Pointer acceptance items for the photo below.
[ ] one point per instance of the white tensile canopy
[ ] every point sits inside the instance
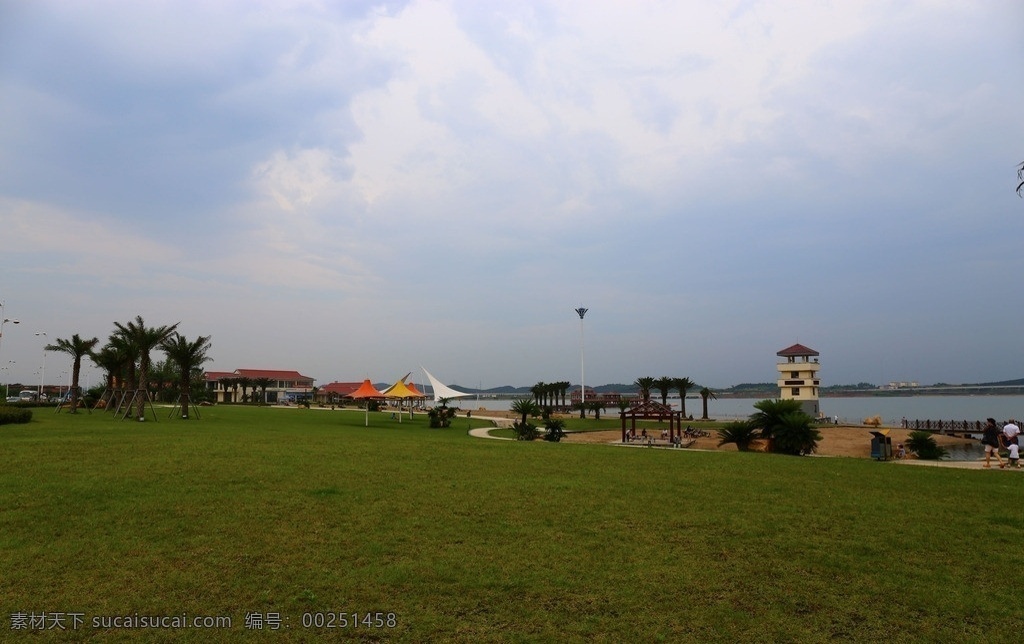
(441, 390)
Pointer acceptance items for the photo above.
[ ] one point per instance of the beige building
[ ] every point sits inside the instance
(798, 377)
(226, 386)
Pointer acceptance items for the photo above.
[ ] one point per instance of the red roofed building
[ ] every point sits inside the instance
(798, 377)
(333, 392)
(226, 386)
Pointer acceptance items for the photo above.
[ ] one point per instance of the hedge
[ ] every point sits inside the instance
(10, 415)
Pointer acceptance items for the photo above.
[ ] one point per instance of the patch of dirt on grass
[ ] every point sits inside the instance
(852, 441)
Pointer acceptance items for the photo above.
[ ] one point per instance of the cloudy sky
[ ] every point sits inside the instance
(354, 189)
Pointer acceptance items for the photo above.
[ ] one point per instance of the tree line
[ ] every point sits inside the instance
(126, 361)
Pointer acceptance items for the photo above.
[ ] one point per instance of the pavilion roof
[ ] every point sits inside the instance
(797, 350)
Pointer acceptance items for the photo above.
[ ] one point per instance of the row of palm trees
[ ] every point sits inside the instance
(665, 384)
(546, 394)
(126, 361)
(257, 384)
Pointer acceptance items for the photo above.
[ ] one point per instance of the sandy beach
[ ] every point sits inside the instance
(853, 441)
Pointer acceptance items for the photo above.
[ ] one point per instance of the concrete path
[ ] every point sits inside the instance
(485, 432)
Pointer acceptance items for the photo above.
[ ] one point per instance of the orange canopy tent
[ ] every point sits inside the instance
(367, 391)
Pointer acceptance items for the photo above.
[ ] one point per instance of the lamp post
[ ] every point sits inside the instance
(42, 372)
(7, 379)
(583, 389)
(3, 321)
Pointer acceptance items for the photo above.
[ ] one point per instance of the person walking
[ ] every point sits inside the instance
(990, 439)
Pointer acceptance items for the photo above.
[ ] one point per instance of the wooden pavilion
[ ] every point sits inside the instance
(652, 410)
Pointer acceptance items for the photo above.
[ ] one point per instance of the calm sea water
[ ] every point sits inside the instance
(852, 410)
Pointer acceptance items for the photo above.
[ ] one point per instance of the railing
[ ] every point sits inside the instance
(944, 426)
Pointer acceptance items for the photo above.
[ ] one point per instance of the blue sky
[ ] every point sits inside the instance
(355, 189)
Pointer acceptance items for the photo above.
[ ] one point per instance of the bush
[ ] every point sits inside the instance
(795, 434)
(11, 415)
(770, 413)
(741, 432)
(525, 431)
(441, 417)
(555, 430)
(923, 444)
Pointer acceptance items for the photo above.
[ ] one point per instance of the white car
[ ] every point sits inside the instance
(13, 399)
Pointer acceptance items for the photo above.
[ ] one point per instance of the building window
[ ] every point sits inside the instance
(794, 374)
(796, 391)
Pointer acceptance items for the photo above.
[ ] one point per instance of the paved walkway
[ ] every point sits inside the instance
(485, 432)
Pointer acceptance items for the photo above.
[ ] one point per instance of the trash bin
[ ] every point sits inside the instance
(881, 445)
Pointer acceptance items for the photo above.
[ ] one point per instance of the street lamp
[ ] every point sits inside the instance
(7, 379)
(583, 389)
(42, 372)
(4, 321)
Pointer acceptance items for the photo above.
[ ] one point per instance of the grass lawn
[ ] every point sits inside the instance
(304, 513)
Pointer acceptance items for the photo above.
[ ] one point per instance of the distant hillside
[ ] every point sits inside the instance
(1019, 382)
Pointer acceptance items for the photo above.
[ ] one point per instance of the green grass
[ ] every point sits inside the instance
(294, 511)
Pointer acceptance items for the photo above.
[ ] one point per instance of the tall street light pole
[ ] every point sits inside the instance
(583, 389)
(3, 321)
(42, 372)
(7, 379)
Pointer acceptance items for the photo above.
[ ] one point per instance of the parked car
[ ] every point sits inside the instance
(13, 399)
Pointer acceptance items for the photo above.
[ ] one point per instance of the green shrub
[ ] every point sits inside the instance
(741, 433)
(923, 444)
(770, 413)
(795, 434)
(525, 431)
(555, 429)
(441, 416)
(11, 415)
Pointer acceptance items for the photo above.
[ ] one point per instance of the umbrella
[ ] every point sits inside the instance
(366, 390)
(400, 390)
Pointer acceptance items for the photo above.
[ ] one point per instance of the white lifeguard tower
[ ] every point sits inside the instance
(798, 377)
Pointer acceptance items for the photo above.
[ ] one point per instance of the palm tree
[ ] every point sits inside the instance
(76, 347)
(552, 391)
(143, 339)
(740, 432)
(664, 384)
(126, 371)
(537, 390)
(795, 434)
(232, 385)
(645, 384)
(263, 383)
(706, 393)
(525, 407)
(597, 407)
(769, 414)
(113, 360)
(563, 388)
(683, 385)
(188, 356)
(245, 383)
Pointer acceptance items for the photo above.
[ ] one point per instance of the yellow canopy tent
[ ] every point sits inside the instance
(401, 391)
